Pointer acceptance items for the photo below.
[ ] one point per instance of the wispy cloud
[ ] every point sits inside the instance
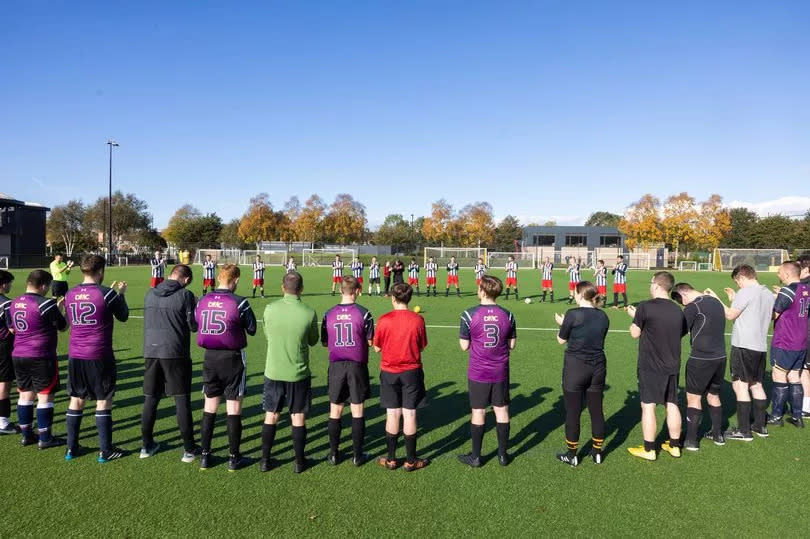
(783, 205)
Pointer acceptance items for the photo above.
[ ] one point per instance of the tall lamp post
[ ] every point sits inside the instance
(110, 143)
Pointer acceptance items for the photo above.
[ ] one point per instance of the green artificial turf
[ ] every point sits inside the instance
(740, 489)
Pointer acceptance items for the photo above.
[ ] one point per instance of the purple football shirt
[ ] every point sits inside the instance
(489, 328)
(790, 329)
(223, 319)
(346, 330)
(35, 320)
(90, 309)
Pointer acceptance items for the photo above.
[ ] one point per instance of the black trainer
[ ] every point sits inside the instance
(206, 460)
(691, 446)
(11, 428)
(737, 434)
(301, 465)
(333, 459)
(113, 453)
(236, 462)
(796, 422)
(53, 442)
(469, 460)
(776, 421)
(28, 438)
(265, 465)
(762, 431)
(716, 437)
(362, 458)
(568, 459)
(598, 457)
(504, 459)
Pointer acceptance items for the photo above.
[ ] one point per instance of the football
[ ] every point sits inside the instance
(417, 309)
(527, 301)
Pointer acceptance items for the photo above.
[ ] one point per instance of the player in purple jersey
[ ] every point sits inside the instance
(347, 330)
(789, 344)
(223, 320)
(90, 309)
(489, 332)
(6, 365)
(35, 321)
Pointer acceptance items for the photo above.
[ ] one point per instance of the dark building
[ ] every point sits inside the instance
(592, 237)
(22, 233)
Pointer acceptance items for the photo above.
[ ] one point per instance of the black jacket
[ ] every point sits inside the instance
(168, 321)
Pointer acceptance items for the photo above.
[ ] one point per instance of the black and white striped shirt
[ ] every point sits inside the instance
(548, 271)
(601, 276)
(573, 273)
(209, 268)
(374, 270)
(291, 267)
(413, 270)
(158, 267)
(452, 268)
(430, 269)
(258, 270)
(480, 269)
(511, 269)
(337, 268)
(620, 273)
(357, 269)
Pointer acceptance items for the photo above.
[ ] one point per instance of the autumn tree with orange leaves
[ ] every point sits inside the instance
(641, 223)
(476, 225)
(345, 221)
(679, 221)
(436, 229)
(308, 222)
(260, 222)
(713, 223)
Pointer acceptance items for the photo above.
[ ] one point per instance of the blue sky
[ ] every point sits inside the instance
(545, 109)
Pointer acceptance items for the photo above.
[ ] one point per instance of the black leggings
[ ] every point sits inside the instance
(573, 410)
(387, 283)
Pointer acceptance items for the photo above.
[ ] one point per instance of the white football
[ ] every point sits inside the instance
(527, 301)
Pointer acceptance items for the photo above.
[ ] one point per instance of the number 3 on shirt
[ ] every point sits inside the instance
(492, 335)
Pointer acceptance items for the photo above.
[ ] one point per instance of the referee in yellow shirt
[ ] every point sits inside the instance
(60, 271)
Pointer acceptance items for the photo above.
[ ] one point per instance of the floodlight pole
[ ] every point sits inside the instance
(110, 143)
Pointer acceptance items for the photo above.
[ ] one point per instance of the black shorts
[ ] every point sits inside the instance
(747, 365)
(705, 376)
(91, 379)
(224, 374)
(59, 288)
(483, 394)
(656, 388)
(348, 380)
(6, 364)
(169, 377)
(40, 375)
(296, 396)
(579, 375)
(374, 280)
(403, 389)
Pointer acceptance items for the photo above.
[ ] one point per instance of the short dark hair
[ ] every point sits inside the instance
(588, 291)
(293, 283)
(600, 261)
(620, 256)
(491, 286)
(679, 290)
(744, 270)
(181, 271)
(792, 267)
(39, 278)
(665, 280)
(349, 284)
(93, 264)
(804, 260)
(6, 277)
(402, 292)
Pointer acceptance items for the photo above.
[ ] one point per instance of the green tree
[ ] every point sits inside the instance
(397, 232)
(603, 218)
(67, 229)
(130, 217)
(743, 222)
(229, 236)
(774, 232)
(506, 233)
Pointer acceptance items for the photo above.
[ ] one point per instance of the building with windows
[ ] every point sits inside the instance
(22, 233)
(590, 237)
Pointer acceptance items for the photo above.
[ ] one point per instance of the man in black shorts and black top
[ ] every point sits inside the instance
(6, 365)
(706, 366)
(168, 322)
(659, 325)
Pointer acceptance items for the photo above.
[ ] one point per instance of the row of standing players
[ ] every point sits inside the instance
(395, 270)
(222, 321)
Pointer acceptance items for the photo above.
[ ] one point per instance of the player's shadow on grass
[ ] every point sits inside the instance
(443, 410)
(539, 428)
(621, 423)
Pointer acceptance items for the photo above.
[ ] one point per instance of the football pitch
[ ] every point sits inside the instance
(739, 489)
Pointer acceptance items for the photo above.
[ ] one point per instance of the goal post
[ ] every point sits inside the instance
(687, 265)
(324, 257)
(466, 257)
(220, 256)
(726, 259)
(704, 266)
(269, 257)
(4, 262)
(498, 259)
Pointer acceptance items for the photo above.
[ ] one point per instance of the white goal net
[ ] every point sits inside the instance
(269, 257)
(687, 265)
(324, 257)
(704, 266)
(498, 259)
(759, 259)
(220, 256)
(467, 257)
